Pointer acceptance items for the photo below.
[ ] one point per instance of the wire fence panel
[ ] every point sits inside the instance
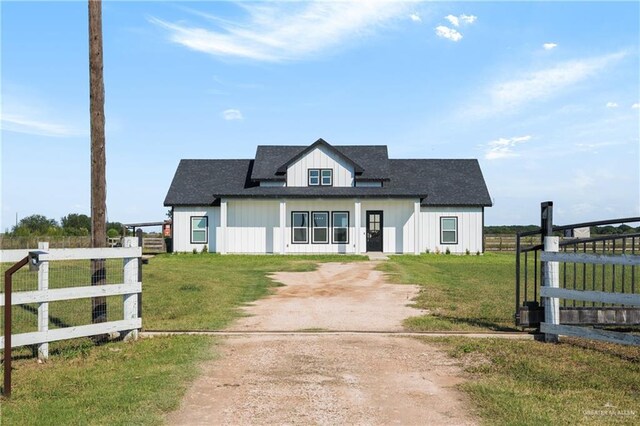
(70, 290)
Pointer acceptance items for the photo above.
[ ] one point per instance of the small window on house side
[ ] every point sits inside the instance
(327, 177)
(320, 227)
(448, 230)
(199, 228)
(300, 227)
(340, 222)
(314, 177)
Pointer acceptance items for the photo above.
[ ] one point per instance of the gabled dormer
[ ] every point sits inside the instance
(320, 165)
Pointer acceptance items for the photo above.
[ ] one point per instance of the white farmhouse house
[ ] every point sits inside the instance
(327, 199)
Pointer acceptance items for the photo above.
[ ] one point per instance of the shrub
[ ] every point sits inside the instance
(467, 252)
(205, 249)
(195, 250)
(478, 253)
(448, 251)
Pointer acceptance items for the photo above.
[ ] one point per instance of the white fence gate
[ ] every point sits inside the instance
(551, 293)
(128, 286)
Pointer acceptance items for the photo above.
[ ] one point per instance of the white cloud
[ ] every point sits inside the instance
(232, 114)
(549, 46)
(32, 126)
(415, 17)
(541, 84)
(636, 105)
(448, 33)
(453, 20)
(286, 31)
(464, 19)
(612, 105)
(503, 147)
(468, 19)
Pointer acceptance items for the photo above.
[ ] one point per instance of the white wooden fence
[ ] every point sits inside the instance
(551, 293)
(129, 289)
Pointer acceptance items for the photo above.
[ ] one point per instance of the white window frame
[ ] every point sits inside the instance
(293, 228)
(314, 227)
(330, 177)
(334, 227)
(206, 229)
(455, 230)
(318, 177)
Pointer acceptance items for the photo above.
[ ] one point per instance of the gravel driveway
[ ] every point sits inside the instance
(336, 296)
(327, 379)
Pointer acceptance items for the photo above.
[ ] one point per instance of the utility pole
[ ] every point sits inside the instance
(98, 178)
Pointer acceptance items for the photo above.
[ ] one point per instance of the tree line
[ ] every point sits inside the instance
(73, 224)
(595, 230)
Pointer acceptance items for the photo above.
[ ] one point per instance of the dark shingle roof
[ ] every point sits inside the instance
(372, 160)
(437, 182)
(197, 182)
(445, 182)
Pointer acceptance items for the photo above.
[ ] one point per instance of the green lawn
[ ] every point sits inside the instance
(204, 291)
(533, 383)
(460, 292)
(116, 384)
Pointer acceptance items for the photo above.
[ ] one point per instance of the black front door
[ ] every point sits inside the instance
(374, 230)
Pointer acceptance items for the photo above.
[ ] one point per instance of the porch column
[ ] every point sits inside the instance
(283, 226)
(356, 224)
(416, 227)
(223, 227)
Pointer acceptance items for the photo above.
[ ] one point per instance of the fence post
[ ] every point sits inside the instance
(130, 301)
(43, 308)
(139, 236)
(551, 278)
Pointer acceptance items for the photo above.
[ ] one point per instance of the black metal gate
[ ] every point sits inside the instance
(529, 311)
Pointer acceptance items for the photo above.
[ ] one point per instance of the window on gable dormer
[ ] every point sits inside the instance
(320, 177)
(314, 177)
(326, 177)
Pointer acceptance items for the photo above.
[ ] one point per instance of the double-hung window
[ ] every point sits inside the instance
(448, 230)
(320, 177)
(340, 221)
(320, 227)
(326, 177)
(300, 227)
(199, 229)
(314, 177)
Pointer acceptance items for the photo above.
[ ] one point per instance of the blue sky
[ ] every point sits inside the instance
(544, 94)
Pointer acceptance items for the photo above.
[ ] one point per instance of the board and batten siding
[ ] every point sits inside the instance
(253, 226)
(469, 229)
(320, 158)
(182, 227)
(397, 223)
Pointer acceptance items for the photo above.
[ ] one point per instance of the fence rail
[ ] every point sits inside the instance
(551, 294)
(67, 275)
(563, 286)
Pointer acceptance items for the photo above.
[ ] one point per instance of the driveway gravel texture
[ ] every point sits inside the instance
(327, 379)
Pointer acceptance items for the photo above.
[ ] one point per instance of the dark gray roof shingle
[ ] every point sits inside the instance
(197, 182)
(437, 182)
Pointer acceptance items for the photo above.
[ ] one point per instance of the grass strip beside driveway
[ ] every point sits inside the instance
(533, 383)
(461, 293)
(119, 383)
